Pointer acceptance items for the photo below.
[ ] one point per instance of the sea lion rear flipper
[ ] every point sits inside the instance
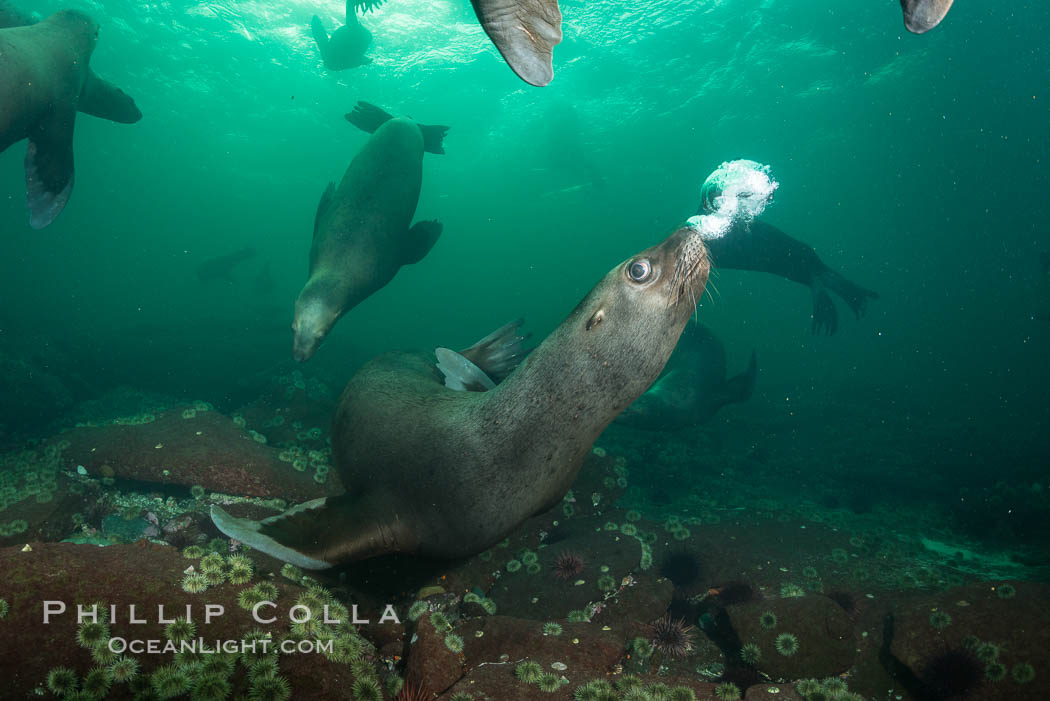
(500, 352)
(433, 137)
(920, 16)
(49, 167)
(421, 238)
(367, 117)
(322, 206)
(525, 32)
(461, 374)
(740, 387)
(292, 539)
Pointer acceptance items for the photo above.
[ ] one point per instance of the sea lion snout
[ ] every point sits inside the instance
(313, 320)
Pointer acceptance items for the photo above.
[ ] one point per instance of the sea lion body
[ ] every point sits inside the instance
(363, 231)
(347, 45)
(692, 387)
(42, 72)
(445, 473)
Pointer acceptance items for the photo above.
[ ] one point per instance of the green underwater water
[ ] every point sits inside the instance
(915, 165)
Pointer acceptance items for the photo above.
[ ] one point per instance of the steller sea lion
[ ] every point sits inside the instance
(693, 386)
(363, 231)
(524, 31)
(346, 47)
(445, 473)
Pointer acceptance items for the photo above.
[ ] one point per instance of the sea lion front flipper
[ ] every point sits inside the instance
(322, 206)
(825, 315)
(920, 16)
(365, 5)
(460, 374)
(367, 117)
(101, 98)
(320, 37)
(500, 352)
(421, 238)
(49, 167)
(525, 32)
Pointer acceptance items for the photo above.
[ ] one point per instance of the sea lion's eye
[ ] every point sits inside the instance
(639, 270)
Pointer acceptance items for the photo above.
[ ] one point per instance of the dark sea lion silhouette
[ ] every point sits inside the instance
(920, 16)
(363, 231)
(99, 97)
(43, 68)
(524, 31)
(444, 473)
(346, 47)
(764, 248)
(221, 267)
(693, 386)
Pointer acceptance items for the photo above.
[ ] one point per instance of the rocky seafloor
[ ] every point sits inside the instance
(644, 583)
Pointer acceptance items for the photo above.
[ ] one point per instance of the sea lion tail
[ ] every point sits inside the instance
(920, 16)
(500, 352)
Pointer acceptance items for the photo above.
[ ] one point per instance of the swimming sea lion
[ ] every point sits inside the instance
(920, 16)
(99, 98)
(524, 31)
(363, 230)
(445, 473)
(346, 47)
(765, 248)
(692, 387)
(221, 267)
(42, 72)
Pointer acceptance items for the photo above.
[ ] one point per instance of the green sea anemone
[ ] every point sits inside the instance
(194, 583)
(682, 693)
(489, 606)
(267, 590)
(270, 689)
(1023, 673)
(513, 565)
(658, 692)
(549, 683)
(528, 672)
(633, 516)
(533, 568)
(248, 598)
(438, 620)
(1005, 591)
(808, 687)
(940, 620)
(768, 620)
(416, 610)
(197, 491)
(586, 693)
(454, 643)
(471, 598)
(180, 629)
(787, 644)
(212, 562)
(62, 681)
(636, 694)
(987, 652)
(552, 629)
(461, 696)
(840, 556)
(681, 534)
(577, 616)
(528, 557)
(628, 682)
(790, 590)
(222, 664)
(170, 681)
(210, 687)
(264, 667)
(834, 685)
(367, 689)
(628, 529)
(643, 647)
(750, 653)
(91, 635)
(192, 552)
(124, 668)
(103, 655)
(995, 671)
(239, 575)
(727, 692)
(606, 583)
(214, 577)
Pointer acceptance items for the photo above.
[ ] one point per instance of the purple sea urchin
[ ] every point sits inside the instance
(671, 636)
(568, 565)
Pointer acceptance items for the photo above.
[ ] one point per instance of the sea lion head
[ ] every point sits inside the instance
(79, 25)
(632, 319)
(315, 315)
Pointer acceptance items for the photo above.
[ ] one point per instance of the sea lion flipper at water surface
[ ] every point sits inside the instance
(446, 474)
(367, 117)
(920, 16)
(525, 32)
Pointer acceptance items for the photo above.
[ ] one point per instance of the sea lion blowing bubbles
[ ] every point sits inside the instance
(444, 473)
